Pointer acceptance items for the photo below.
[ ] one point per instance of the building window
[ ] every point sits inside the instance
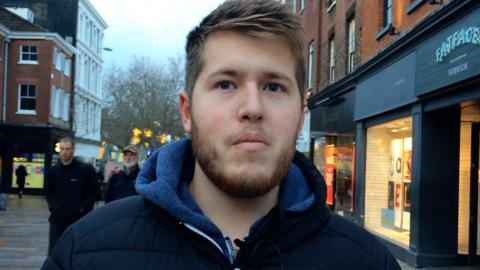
(302, 5)
(351, 45)
(68, 66)
(294, 6)
(331, 4)
(331, 61)
(311, 55)
(388, 175)
(26, 98)
(28, 54)
(387, 12)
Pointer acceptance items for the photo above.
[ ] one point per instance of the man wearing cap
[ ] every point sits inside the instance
(122, 184)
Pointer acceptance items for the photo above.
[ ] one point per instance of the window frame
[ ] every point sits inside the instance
(311, 62)
(387, 13)
(331, 59)
(29, 53)
(21, 97)
(351, 46)
(331, 4)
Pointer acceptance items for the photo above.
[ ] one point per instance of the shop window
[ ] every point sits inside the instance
(334, 156)
(387, 180)
(35, 166)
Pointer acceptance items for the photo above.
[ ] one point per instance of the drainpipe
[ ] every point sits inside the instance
(5, 79)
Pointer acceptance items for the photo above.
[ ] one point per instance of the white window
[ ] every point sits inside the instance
(27, 96)
(351, 45)
(28, 54)
(52, 101)
(59, 60)
(66, 106)
(387, 12)
(294, 6)
(331, 61)
(302, 4)
(68, 65)
(331, 4)
(311, 55)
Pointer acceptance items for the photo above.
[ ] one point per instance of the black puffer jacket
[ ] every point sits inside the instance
(135, 233)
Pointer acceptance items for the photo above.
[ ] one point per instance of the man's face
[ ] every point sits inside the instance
(66, 152)
(129, 158)
(245, 113)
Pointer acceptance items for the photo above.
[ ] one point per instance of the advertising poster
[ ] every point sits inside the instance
(35, 170)
(330, 173)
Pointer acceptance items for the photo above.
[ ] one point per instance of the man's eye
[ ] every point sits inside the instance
(274, 87)
(225, 85)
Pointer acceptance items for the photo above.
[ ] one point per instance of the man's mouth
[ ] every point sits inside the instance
(250, 138)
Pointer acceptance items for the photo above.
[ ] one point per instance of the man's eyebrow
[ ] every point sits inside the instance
(277, 75)
(226, 71)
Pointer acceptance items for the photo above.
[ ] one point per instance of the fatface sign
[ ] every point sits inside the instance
(450, 56)
(470, 35)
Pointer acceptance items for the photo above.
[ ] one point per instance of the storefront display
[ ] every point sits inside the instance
(334, 157)
(35, 166)
(388, 178)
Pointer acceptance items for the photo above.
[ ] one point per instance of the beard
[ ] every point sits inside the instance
(237, 183)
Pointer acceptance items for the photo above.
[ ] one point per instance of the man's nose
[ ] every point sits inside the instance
(251, 106)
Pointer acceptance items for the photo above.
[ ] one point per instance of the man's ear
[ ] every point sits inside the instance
(185, 111)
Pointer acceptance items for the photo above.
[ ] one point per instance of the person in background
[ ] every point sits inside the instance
(236, 194)
(70, 191)
(122, 183)
(21, 174)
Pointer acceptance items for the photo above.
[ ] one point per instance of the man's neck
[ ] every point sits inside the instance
(233, 216)
(66, 162)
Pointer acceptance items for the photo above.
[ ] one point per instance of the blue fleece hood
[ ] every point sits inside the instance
(166, 176)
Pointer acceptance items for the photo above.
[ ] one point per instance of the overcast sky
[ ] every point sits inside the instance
(152, 28)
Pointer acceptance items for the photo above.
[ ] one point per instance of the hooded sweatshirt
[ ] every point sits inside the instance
(166, 177)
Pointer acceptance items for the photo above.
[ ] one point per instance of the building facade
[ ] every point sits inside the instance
(78, 22)
(35, 99)
(395, 123)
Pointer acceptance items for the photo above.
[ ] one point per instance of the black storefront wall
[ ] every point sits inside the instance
(450, 56)
(333, 115)
(388, 89)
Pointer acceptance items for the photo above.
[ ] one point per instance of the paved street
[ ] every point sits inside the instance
(24, 235)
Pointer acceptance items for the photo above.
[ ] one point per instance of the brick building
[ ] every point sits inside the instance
(36, 76)
(395, 121)
(79, 23)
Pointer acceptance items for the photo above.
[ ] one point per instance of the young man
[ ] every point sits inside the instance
(70, 191)
(237, 195)
(122, 183)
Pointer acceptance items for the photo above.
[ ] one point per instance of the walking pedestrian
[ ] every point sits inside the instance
(70, 191)
(21, 174)
(236, 195)
(122, 183)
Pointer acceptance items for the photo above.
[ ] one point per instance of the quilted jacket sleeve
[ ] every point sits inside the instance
(61, 257)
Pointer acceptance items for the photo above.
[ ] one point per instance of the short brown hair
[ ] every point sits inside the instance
(257, 18)
(69, 140)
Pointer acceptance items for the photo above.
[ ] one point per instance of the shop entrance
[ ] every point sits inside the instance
(474, 239)
(469, 185)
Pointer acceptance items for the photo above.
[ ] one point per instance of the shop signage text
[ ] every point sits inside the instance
(470, 35)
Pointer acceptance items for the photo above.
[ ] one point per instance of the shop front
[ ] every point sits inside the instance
(416, 124)
(32, 147)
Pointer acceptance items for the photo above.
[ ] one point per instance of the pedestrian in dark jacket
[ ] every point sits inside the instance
(21, 174)
(70, 191)
(122, 183)
(236, 195)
